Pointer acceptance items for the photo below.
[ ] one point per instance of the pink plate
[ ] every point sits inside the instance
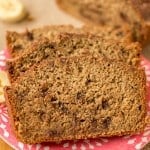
(115, 143)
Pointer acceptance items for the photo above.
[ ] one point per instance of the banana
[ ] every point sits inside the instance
(12, 10)
(3, 82)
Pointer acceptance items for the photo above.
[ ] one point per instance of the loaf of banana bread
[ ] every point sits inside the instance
(112, 12)
(77, 97)
(17, 43)
(73, 44)
(135, 13)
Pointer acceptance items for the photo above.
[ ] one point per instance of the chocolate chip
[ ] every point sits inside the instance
(58, 92)
(51, 46)
(80, 69)
(17, 47)
(140, 107)
(10, 69)
(122, 113)
(53, 99)
(106, 122)
(29, 36)
(70, 52)
(88, 81)
(108, 65)
(82, 120)
(91, 44)
(124, 17)
(105, 104)
(74, 46)
(64, 45)
(138, 54)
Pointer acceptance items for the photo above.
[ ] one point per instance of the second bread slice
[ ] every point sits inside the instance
(73, 44)
(17, 43)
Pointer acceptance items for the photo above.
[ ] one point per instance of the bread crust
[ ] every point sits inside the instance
(11, 112)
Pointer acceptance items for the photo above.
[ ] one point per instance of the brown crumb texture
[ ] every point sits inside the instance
(17, 43)
(73, 44)
(77, 98)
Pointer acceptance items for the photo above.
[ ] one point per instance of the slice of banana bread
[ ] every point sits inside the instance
(77, 97)
(73, 44)
(112, 12)
(18, 42)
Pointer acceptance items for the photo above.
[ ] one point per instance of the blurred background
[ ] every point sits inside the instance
(45, 12)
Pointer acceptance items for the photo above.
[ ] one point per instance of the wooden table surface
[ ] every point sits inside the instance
(43, 12)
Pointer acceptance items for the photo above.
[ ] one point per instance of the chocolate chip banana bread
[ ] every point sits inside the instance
(18, 42)
(112, 12)
(134, 13)
(77, 97)
(73, 44)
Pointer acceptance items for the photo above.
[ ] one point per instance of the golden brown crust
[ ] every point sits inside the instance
(11, 112)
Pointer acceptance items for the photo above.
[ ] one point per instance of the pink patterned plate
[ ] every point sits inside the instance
(115, 143)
